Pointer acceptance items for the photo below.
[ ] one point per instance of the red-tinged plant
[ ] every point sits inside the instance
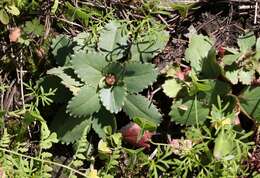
(221, 51)
(131, 133)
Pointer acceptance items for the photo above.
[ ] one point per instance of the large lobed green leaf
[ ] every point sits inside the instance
(197, 51)
(250, 102)
(147, 47)
(113, 98)
(113, 39)
(69, 129)
(62, 94)
(85, 103)
(218, 88)
(115, 69)
(139, 106)
(102, 119)
(210, 67)
(171, 88)
(67, 76)
(62, 48)
(246, 42)
(138, 76)
(89, 67)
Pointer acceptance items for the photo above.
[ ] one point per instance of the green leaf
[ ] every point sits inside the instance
(246, 42)
(68, 78)
(146, 47)
(101, 120)
(55, 6)
(257, 46)
(34, 27)
(80, 156)
(89, 67)
(103, 147)
(46, 155)
(113, 98)
(203, 85)
(77, 163)
(4, 18)
(171, 88)
(230, 58)
(184, 111)
(82, 38)
(232, 50)
(224, 145)
(139, 106)
(139, 76)
(85, 103)
(219, 88)
(182, 8)
(69, 129)
(62, 94)
(145, 124)
(12, 10)
(210, 67)
(116, 139)
(62, 48)
(250, 102)
(198, 49)
(47, 138)
(232, 75)
(47, 143)
(113, 39)
(115, 69)
(246, 77)
(31, 116)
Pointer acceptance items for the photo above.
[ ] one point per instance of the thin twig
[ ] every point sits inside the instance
(21, 86)
(256, 12)
(9, 95)
(69, 22)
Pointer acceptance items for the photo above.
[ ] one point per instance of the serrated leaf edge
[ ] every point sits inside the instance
(77, 116)
(123, 103)
(155, 71)
(147, 100)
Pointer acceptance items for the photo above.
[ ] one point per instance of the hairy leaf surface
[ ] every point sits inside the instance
(62, 49)
(250, 102)
(139, 76)
(101, 119)
(89, 67)
(113, 98)
(198, 49)
(139, 106)
(113, 39)
(69, 129)
(68, 78)
(85, 103)
(171, 88)
(147, 47)
(246, 42)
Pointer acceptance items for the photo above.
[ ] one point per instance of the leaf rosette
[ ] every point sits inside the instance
(109, 83)
(106, 80)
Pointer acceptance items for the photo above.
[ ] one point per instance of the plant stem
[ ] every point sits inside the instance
(42, 160)
(196, 111)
